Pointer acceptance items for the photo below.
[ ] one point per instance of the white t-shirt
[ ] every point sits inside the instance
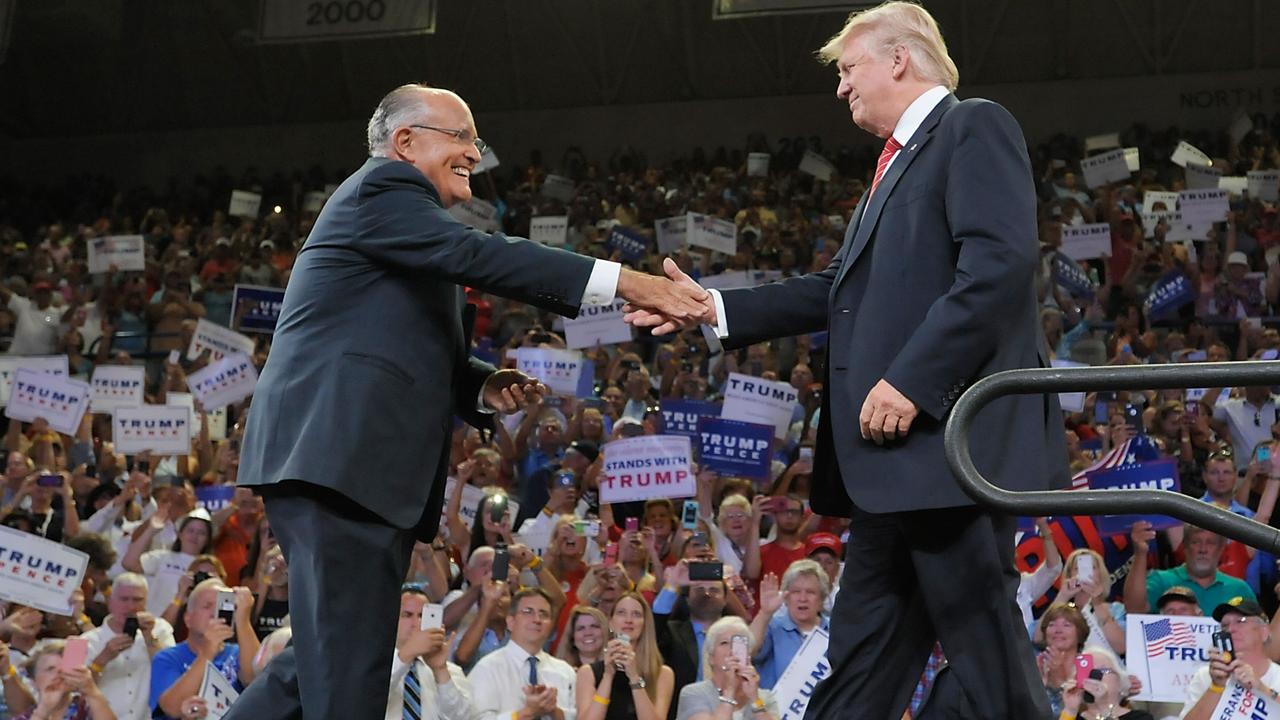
(126, 680)
(163, 568)
(36, 330)
(1239, 416)
(1200, 682)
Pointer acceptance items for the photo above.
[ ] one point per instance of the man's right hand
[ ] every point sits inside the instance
(113, 648)
(1141, 536)
(665, 305)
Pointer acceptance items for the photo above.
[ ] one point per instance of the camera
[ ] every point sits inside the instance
(131, 627)
(501, 563)
(227, 607)
(699, 571)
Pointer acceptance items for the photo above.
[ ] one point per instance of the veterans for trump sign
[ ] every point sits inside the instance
(1241, 703)
(795, 686)
(161, 429)
(39, 573)
(645, 467)
(1164, 651)
(58, 399)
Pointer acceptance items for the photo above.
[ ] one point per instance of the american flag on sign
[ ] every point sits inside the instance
(1163, 633)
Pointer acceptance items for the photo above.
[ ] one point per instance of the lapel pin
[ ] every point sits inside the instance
(913, 147)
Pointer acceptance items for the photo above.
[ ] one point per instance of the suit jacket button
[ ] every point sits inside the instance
(843, 311)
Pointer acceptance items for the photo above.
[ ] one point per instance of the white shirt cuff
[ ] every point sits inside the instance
(722, 323)
(602, 286)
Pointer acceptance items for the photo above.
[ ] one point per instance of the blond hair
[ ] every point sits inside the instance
(899, 23)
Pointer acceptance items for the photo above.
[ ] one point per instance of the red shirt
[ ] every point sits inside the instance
(232, 548)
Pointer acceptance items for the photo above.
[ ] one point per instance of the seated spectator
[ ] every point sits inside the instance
(682, 641)
(737, 531)
(1064, 630)
(1179, 600)
(176, 672)
(826, 550)
(1200, 572)
(629, 680)
(1250, 665)
(1102, 694)
(201, 568)
(121, 661)
(731, 683)
(777, 636)
(1106, 620)
(63, 694)
(603, 585)
(660, 518)
(522, 680)
(582, 642)
(164, 568)
(423, 681)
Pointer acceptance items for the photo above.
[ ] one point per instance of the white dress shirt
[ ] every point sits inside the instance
(451, 701)
(907, 126)
(503, 675)
(126, 680)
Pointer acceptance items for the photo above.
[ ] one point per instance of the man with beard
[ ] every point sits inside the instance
(787, 546)
(680, 640)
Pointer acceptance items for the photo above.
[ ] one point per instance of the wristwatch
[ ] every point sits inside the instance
(638, 684)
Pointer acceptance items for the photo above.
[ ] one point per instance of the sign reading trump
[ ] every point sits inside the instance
(649, 466)
(161, 429)
(1165, 651)
(37, 572)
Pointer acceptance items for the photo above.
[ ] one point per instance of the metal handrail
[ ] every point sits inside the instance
(1105, 502)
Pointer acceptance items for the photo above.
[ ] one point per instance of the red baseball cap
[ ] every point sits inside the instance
(823, 541)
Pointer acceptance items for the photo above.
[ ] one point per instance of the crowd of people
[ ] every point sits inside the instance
(543, 601)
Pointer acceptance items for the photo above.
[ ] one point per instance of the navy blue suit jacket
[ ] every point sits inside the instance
(370, 360)
(932, 290)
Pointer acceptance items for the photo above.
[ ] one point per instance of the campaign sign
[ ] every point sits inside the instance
(1170, 292)
(219, 341)
(472, 496)
(1106, 168)
(56, 398)
(126, 252)
(1204, 207)
(229, 380)
(1187, 153)
(1133, 159)
(795, 685)
(1149, 475)
(757, 164)
(1236, 185)
(1240, 703)
(244, 204)
(9, 364)
(215, 497)
(162, 429)
(558, 188)
(629, 243)
(488, 161)
(1202, 177)
(218, 692)
(477, 213)
(549, 230)
(117, 386)
(1105, 141)
(733, 447)
(39, 573)
(645, 467)
(1263, 185)
(256, 309)
(681, 417)
(672, 233)
(751, 399)
(560, 370)
(597, 324)
(713, 233)
(1068, 274)
(1086, 242)
(1165, 651)
(1151, 198)
(817, 166)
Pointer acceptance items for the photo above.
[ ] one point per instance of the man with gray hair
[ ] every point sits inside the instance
(777, 636)
(120, 651)
(348, 436)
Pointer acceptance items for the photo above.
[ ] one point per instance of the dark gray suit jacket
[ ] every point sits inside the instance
(370, 360)
(932, 290)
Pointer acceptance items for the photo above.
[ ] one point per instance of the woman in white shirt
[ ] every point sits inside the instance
(165, 568)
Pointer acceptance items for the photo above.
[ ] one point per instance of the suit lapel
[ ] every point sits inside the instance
(871, 216)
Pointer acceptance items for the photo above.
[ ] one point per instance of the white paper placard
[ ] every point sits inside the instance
(479, 214)
(244, 204)
(471, 499)
(1264, 185)
(713, 233)
(817, 166)
(1165, 651)
(1240, 127)
(549, 230)
(53, 364)
(558, 188)
(1070, 402)
(1132, 159)
(161, 429)
(1153, 197)
(39, 573)
(672, 233)
(116, 386)
(597, 324)
(126, 252)
(1234, 184)
(646, 467)
(1086, 242)
(219, 341)
(807, 668)
(1105, 141)
(1203, 207)
(1187, 153)
(488, 161)
(765, 402)
(757, 164)
(1202, 177)
(226, 381)
(1106, 168)
(60, 400)
(557, 369)
(1241, 703)
(218, 693)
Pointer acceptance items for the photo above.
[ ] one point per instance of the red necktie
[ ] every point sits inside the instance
(891, 147)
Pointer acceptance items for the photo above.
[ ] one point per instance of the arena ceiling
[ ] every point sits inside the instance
(87, 67)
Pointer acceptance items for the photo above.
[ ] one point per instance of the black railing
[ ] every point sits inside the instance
(1105, 502)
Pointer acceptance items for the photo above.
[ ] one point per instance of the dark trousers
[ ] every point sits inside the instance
(915, 577)
(346, 566)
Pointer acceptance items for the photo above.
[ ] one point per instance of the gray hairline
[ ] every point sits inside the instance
(396, 109)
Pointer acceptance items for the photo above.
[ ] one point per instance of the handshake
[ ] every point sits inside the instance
(665, 304)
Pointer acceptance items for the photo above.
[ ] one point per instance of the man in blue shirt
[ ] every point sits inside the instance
(177, 672)
(777, 636)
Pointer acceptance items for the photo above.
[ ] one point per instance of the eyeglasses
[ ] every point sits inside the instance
(735, 516)
(530, 612)
(1242, 620)
(462, 136)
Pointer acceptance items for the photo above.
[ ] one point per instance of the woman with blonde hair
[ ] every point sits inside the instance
(630, 680)
(1086, 591)
(583, 639)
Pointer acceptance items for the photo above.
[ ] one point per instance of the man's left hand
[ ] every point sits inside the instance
(886, 414)
(510, 390)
